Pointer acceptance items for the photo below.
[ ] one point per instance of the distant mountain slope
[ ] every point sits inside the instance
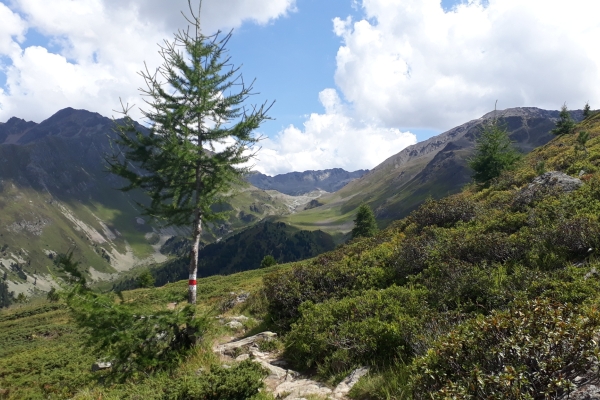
(242, 252)
(435, 167)
(298, 183)
(55, 195)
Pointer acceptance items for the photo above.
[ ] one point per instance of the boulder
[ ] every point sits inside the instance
(585, 392)
(547, 183)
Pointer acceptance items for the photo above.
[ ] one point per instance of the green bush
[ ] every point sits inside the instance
(532, 351)
(239, 382)
(574, 238)
(375, 327)
(268, 261)
(334, 275)
(444, 212)
(136, 340)
(146, 279)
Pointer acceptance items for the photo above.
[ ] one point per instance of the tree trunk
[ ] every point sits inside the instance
(194, 258)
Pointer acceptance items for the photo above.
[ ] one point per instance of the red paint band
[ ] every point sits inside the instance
(192, 282)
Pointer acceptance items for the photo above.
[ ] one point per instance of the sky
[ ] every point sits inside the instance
(354, 81)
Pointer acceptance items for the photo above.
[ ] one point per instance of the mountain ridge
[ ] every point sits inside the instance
(433, 168)
(298, 183)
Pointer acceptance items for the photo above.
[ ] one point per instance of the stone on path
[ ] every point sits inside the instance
(344, 386)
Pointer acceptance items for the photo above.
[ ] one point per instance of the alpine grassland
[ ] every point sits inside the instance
(492, 293)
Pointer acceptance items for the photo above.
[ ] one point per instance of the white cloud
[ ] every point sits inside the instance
(102, 45)
(334, 139)
(410, 64)
(12, 30)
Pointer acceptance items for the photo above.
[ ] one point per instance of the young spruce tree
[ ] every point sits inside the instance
(200, 135)
(494, 152)
(364, 224)
(565, 124)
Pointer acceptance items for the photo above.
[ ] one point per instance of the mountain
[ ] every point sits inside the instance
(55, 195)
(433, 168)
(298, 183)
(241, 252)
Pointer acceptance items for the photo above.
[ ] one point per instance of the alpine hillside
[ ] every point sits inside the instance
(434, 168)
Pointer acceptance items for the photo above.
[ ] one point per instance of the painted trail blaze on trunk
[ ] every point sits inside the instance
(192, 289)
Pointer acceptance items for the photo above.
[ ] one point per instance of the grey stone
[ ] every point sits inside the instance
(100, 365)
(585, 392)
(242, 357)
(546, 183)
(227, 348)
(344, 386)
(235, 325)
(301, 388)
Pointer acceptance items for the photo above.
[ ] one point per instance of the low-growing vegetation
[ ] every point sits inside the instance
(506, 276)
(491, 293)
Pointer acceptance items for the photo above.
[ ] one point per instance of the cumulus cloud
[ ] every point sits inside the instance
(410, 64)
(101, 45)
(333, 139)
(12, 30)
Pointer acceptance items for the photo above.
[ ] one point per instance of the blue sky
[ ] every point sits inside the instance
(355, 81)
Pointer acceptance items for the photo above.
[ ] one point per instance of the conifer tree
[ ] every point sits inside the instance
(200, 135)
(494, 152)
(565, 123)
(268, 261)
(587, 111)
(364, 224)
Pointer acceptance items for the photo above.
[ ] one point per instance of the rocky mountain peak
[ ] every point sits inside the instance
(13, 127)
(67, 123)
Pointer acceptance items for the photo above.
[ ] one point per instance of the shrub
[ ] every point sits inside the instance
(268, 261)
(575, 237)
(532, 351)
(333, 275)
(146, 280)
(413, 255)
(374, 327)
(457, 285)
(239, 382)
(136, 340)
(53, 295)
(445, 212)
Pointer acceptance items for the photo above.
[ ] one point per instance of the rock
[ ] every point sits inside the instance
(100, 365)
(242, 357)
(585, 392)
(344, 386)
(301, 388)
(228, 348)
(233, 299)
(235, 325)
(274, 371)
(545, 184)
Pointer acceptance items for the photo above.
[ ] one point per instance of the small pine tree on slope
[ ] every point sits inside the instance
(565, 123)
(364, 224)
(494, 153)
(200, 135)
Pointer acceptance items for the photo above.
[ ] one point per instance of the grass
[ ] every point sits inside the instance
(42, 353)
